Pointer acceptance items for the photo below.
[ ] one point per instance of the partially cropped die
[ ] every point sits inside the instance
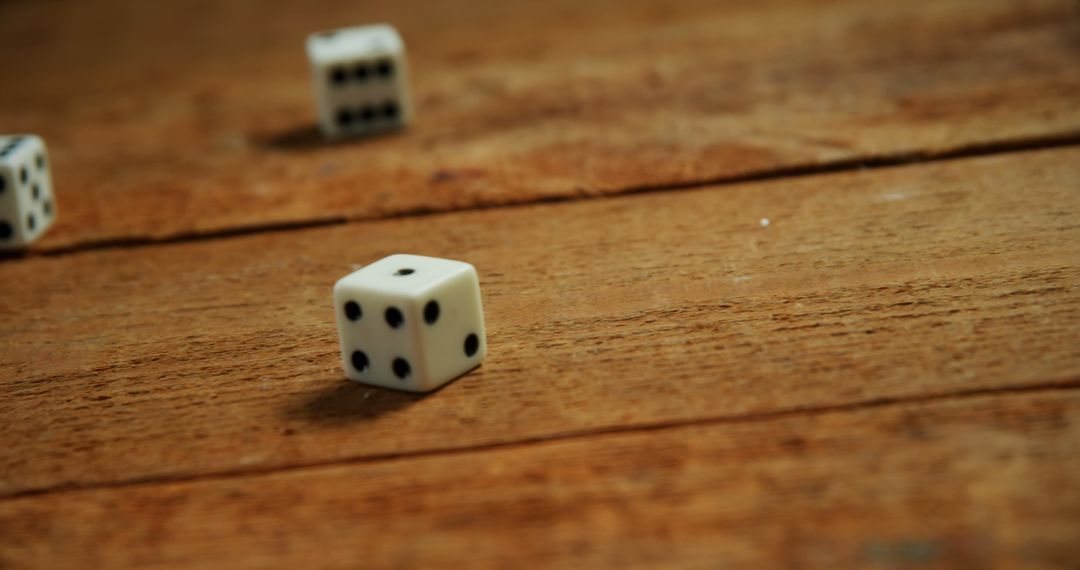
(26, 197)
(410, 322)
(361, 80)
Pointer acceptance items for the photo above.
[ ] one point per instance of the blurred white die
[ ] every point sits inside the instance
(410, 322)
(361, 80)
(27, 208)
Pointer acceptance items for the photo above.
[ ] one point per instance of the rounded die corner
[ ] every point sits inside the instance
(342, 283)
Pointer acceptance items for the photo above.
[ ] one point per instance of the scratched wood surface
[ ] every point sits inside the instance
(174, 119)
(220, 356)
(985, 482)
(810, 295)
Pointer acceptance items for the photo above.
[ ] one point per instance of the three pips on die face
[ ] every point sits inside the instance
(410, 322)
(27, 206)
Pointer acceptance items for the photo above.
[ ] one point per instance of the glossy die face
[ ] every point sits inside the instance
(27, 207)
(410, 322)
(361, 80)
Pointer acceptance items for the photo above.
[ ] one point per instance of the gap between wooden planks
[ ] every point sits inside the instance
(218, 357)
(198, 121)
(987, 482)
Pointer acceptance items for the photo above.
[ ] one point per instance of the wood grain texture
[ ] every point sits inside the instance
(977, 483)
(179, 118)
(221, 356)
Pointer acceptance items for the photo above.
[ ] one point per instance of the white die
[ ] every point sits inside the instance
(27, 207)
(361, 80)
(410, 322)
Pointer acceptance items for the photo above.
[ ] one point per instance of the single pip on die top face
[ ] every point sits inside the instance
(410, 322)
(361, 80)
(27, 207)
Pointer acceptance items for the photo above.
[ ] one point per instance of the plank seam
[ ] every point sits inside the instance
(911, 158)
(1065, 385)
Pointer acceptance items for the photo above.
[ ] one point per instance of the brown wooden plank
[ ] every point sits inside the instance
(976, 483)
(220, 356)
(169, 119)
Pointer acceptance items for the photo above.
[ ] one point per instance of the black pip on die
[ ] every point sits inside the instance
(26, 197)
(410, 322)
(361, 80)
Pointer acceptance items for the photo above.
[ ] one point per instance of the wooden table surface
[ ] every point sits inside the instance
(768, 283)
